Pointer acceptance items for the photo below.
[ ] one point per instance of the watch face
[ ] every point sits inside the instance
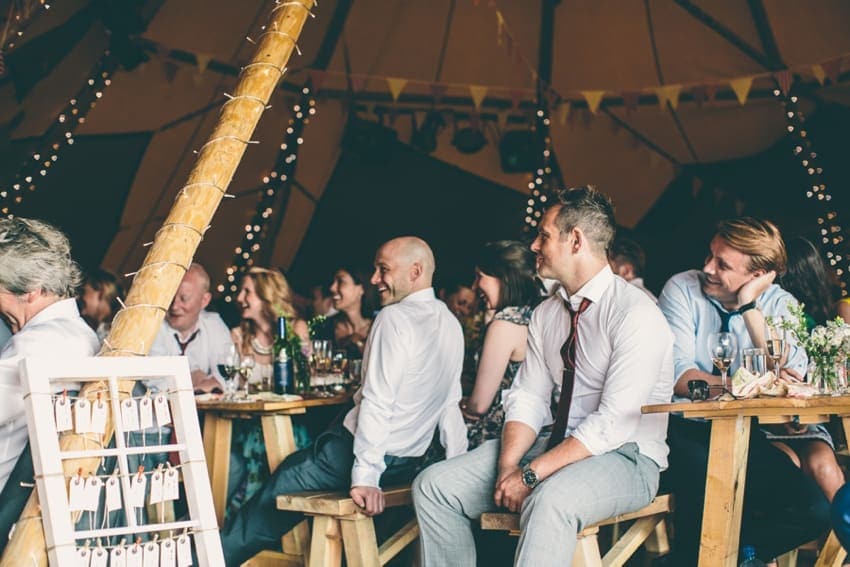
(529, 477)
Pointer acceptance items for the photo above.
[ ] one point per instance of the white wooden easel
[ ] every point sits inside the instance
(37, 374)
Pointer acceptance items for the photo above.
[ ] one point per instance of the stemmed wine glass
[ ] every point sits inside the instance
(229, 368)
(722, 347)
(774, 337)
(246, 369)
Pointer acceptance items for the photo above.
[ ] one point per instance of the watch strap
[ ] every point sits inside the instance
(747, 306)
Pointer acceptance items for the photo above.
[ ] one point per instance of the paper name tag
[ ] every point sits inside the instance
(82, 415)
(98, 417)
(77, 494)
(137, 490)
(163, 414)
(118, 557)
(134, 556)
(113, 494)
(170, 485)
(184, 551)
(156, 487)
(151, 555)
(145, 413)
(167, 553)
(64, 421)
(92, 494)
(83, 556)
(129, 415)
(99, 557)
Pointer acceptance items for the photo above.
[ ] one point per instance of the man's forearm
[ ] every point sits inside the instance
(517, 439)
(568, 451)
(681, 388)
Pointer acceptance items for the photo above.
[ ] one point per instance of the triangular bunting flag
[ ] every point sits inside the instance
(169, 69)
(203, 60)
(668, 93)
(630, 101)
(317, 76)
(502, 119)
(563, 112)
(742, 88)
(357, 83)
(478, 93)
(593, 98)
(516, 98)
(419, 117)
(784, 80)
(832, 68)
(396, 86)
(710, 93)
(500, 27)
(819, 73)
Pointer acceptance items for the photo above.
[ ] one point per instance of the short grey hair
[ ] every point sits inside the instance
(592, 212)
(36, 256)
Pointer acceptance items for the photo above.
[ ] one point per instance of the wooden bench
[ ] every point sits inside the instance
(338, 525)
(649, 529)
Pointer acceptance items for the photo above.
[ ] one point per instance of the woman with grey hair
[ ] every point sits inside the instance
(38, 280)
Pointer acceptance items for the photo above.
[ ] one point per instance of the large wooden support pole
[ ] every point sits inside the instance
(154, 285)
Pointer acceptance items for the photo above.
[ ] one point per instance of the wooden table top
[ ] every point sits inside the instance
(776, 408)
(260, 406)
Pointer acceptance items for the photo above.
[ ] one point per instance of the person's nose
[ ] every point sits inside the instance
(535, 245)
(376, 278)
(709, 267)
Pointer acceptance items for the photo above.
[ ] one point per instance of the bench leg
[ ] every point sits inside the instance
(631, 540)
(325, 543)
(587, 551)
(297, 540)
(788, 559)
(658, 542)
(360, 542)
(832, 554)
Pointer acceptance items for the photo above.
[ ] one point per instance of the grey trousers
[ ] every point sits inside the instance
(326, 465)
(450, 495)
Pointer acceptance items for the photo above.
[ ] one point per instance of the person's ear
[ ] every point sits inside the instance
(415, 271)
(205, 299)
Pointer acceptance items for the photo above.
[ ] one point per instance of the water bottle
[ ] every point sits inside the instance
(748, 557)
(284, 379)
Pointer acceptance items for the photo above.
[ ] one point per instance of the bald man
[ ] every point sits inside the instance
(411, 387)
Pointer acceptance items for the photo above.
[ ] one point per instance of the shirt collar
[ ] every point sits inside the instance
(593, 289)
(426, 294)
(62, 309)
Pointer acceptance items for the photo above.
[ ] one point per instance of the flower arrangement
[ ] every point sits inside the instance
(827, 347)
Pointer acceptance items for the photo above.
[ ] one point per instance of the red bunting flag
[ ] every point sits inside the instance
(784, 80)
(516, 98)
(358, 82)
(169, 69)
(710, 93)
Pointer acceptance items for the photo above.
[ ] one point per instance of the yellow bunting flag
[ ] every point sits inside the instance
(819, 73)
(563, 112)
(396, 86)
(593, 98)
(742, 88)
(203, 59)
(478, 93)
(669, 93)
(500, 27)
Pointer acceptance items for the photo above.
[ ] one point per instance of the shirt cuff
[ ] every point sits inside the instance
(364, 475)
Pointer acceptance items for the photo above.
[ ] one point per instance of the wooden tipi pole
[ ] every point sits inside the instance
(156, 282)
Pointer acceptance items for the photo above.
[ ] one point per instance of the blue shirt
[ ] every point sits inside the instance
(693, 316)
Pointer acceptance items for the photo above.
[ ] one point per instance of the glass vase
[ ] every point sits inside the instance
(828, 376)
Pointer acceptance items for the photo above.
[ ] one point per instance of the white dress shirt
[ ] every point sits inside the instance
(205, 351)
(56, 331)
(624, 360)
(638, 283)
(411, 384)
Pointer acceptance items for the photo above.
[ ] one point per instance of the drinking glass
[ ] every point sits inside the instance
(774, 337)
(722, 347)
(339, 368)
(228, 367)
(246, 369)
(754, 360)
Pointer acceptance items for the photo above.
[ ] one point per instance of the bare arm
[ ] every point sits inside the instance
(504, 340)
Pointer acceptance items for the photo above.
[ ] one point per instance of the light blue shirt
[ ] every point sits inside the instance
(5, 334)
(693, 317)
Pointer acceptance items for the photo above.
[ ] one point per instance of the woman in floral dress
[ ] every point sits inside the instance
(505, 280)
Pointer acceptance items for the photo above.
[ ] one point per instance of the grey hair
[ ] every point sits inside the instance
(592, 212)
(36, 256)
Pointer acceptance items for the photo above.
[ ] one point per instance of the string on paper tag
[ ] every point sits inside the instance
(145, 413)
(77, 493)
(156, 487)
(163, 414)
(82, 416)
(99, 557)
(184, 551)
(98, 416)
(170, 484)
(91, 497)
(151, 555)
(137, 489)
(134, 555)
(118, 556)
(113, 494)
(167, 553)
(130, 415)
(62, 410)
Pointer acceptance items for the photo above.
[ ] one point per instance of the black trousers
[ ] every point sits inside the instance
(14, 496)
(783, 508)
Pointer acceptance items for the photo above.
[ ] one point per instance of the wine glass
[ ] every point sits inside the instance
(774, 337)
(246, 369)
(722, 347)
(229, 369)
(339, 368)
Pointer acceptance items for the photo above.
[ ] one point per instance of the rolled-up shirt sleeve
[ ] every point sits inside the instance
(676, 308)
(528, 399)
(387, 354)
(641, 357)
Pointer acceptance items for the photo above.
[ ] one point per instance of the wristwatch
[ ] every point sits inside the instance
(529, 477)
(747, 306)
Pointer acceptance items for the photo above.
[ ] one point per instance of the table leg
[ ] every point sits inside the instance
(278, 437)
(724, 491)
(217, 434)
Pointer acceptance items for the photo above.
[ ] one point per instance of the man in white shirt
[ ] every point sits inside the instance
(189, 330)
(38, 281)
(411, 386)
(603, 457)
(628, 260)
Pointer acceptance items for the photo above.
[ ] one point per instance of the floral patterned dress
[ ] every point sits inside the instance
(489, 426)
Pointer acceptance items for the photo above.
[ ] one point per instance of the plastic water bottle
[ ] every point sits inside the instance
(748, 557)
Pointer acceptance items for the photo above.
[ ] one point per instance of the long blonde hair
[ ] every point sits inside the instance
(274, 291)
